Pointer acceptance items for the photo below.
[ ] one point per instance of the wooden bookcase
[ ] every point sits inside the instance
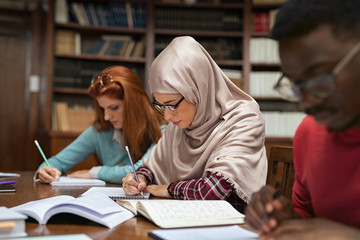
(214, 23)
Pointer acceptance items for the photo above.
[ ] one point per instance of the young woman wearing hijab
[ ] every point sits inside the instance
(214, 146)
(124, 116)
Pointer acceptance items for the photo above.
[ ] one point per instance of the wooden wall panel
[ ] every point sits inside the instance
(21, 38)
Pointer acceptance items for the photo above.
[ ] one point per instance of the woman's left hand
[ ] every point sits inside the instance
(158, 190)
(80, 174)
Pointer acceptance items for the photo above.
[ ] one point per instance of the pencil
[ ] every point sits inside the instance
(42, 153)
(132, 165)
(7, 224)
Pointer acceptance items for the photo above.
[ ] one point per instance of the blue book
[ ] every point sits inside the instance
(85, 6)
(234, 232)
(95, 48)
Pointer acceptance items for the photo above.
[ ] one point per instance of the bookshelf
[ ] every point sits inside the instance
(263, 70)
(224, 27)
(83, 38)
(217, 25)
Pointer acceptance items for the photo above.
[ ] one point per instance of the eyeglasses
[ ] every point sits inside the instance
(103, 81)
(321, 86)
(162, 108)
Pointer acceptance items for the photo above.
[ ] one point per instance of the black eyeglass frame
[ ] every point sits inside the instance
(162, 107)
(293, 91)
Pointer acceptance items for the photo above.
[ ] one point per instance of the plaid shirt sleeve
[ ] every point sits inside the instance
(211, 187)
(147, 173)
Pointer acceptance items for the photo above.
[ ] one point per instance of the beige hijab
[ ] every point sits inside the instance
(227, 134)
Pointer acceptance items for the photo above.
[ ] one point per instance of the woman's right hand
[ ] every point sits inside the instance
(266, 210)
(47, 174)
(130, 185)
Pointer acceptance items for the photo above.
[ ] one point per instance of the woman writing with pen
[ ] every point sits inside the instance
(119, 98)
(214, 146)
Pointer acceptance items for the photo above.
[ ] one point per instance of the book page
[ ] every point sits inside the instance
(38, 209)
(129, 205)
(96, 207)
(189, 213)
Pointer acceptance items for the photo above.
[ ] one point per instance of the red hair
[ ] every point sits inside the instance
(141, 123)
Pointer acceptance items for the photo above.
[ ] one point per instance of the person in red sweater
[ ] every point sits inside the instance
(319, 46)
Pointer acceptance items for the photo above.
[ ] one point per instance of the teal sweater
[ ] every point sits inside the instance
(115, 162)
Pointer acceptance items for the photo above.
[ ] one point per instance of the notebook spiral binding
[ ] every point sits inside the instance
(126, 197)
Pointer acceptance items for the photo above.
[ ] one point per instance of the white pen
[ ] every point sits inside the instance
(132, 165)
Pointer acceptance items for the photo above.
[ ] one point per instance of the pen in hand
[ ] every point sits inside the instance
(133, 168)
(43, 155)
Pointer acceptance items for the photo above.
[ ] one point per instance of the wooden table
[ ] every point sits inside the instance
(27, 190)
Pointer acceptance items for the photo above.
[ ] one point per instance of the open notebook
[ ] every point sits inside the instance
(115, 193)
(68, 181)
(171, 213)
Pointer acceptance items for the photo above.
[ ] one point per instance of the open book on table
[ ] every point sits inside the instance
(96, 207)
(185, 213)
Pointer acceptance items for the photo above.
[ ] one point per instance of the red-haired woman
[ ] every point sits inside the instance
(124, 116)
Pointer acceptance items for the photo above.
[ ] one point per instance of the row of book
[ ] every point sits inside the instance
(67, 42)
(263, 21)
(74, 118)
(201, 1)
(282, 124)
(198, 19)
(264, 50)
(262, 83)
(118, 45)
(267, 2)
(75, 73)
(108, 13)
(219, 49)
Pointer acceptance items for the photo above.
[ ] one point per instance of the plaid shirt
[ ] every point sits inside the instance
(211, 187)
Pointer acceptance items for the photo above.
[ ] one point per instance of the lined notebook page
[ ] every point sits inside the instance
(115, 193)
(189, 213)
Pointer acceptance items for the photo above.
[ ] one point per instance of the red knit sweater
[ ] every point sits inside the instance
(327, 173)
